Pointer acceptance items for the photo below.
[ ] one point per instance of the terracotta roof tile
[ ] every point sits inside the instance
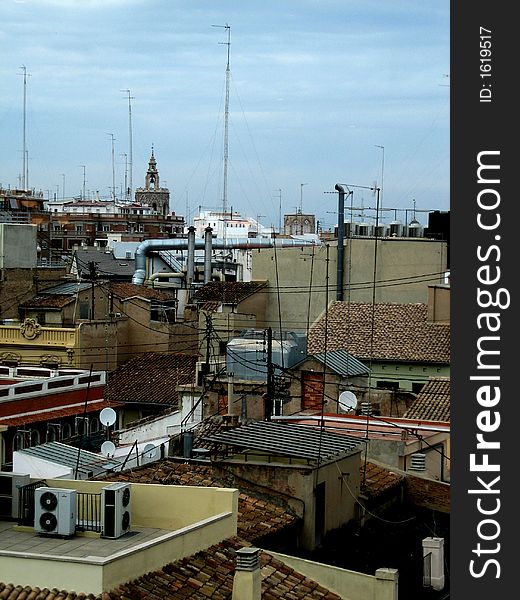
(209, 574)
(378, 480)
(48, 301)
(129, 290)
(433, 401)
(258, 515)
(401, 332)
(151, 378)
(227, 292)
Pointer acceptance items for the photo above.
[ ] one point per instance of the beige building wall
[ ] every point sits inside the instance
(350, 585)
(405, 268)
(340, 478)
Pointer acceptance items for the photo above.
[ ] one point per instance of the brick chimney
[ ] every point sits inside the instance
(247, 584)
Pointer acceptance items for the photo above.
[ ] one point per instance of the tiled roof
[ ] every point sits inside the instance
(206, 574)
(209, 574)
(378, 480)
(18, 592)
(151, 378)
(401, 332)
(258, 515)
(227, 292)
(129, 290)
(50, 301)
(433, 401)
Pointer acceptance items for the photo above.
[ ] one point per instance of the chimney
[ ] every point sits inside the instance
(190, 266)
(247, 584)
(207, 254)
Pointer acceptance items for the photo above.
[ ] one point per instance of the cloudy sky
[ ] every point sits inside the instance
(321, 92)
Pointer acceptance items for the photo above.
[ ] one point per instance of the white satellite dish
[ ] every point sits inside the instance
(107, 417)
(347, 401)
(108, 448)
(149, 451)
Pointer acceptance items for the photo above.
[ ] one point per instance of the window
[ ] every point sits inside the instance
(417, 387)
(388, 385)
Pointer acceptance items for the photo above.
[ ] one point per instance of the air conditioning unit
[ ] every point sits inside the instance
(116, 510)
(55, 511)
(10, 484)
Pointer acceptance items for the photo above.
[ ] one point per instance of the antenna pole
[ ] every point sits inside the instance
(113, 169)
(83, 194)
(129, 189)
(24, 153)
(226, 119)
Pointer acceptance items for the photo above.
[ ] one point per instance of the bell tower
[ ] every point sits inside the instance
(152, 194)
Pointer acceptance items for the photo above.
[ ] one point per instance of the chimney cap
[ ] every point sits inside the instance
(248, 559)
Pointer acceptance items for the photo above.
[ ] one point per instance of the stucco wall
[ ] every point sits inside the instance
(399, 260)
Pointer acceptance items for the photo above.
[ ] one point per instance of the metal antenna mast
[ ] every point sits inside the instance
(128, 191)
(24, 152)
(226, 118)
(113, 169)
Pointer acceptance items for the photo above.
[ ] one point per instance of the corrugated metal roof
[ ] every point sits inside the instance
(343, 363)
(67, 456)
(296, 441)
(67, 288)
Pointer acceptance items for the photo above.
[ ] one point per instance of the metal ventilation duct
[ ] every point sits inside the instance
(144, 249)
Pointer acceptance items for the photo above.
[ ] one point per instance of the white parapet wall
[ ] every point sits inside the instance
(350, 585)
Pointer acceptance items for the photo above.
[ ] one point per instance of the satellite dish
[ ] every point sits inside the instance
(347, 401)
(108, 448)
(149, 451)
(107, 417)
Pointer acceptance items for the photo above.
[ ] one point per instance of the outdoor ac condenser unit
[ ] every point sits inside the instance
(55, 511)
(116, 509)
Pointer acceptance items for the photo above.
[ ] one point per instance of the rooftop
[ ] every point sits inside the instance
(227, 292)
(432, 402)
(294, 441)
(401, 332)
(151, 378)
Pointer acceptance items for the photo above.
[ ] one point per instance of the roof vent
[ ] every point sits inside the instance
(418, 462)
(366, 409)
(248, 559)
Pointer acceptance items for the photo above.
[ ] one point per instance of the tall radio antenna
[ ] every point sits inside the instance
(226, 118)
(128, 191)
(25, 162)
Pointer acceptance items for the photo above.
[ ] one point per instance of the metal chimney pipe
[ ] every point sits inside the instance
(341, 237)
(208, 239)
(190, 266)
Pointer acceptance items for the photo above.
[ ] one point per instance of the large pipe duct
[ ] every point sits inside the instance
(144, 249)
(190, 265)
(341, 237)
(208, 238)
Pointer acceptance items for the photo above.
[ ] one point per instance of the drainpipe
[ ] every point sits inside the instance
(247, 583)
(207, 253)
(190, 267)
(341, 236)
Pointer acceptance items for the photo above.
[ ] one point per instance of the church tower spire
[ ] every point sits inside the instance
(152, 193)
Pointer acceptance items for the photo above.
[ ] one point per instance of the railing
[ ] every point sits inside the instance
(427, 570)
(26, 503)
(88, 508)
(89, 512)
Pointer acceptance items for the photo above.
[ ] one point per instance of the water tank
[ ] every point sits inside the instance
(246, 356)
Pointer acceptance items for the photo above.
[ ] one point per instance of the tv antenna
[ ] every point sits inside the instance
(226, 118)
